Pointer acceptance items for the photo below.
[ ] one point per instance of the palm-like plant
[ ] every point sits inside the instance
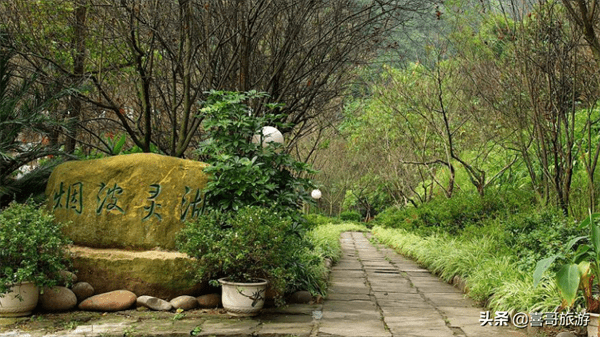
(23, 109)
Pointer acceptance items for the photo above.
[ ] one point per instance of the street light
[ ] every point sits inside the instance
(315, 194)
(268, 134)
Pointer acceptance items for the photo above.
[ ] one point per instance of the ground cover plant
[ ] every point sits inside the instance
(495, 253)
(326, 238)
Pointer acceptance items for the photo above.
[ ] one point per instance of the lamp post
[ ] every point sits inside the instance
(316, 194)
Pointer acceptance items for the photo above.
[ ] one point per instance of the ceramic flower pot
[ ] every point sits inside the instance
(592, 328)
(243, 299)
(20, 300)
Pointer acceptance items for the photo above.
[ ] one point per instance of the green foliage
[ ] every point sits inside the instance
(393, 217)
(23, 111)
(493, 242)
(252, 243)
(350, 216)
(33, 247)
(580, 269)
(350, 201)
(316, 220)
(537, 235)
(326, 238)
(113, 145)
(454, 214)
(245, 173)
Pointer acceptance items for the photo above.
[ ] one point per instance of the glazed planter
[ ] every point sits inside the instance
(243, 299)
(592, 328)
(20, 300)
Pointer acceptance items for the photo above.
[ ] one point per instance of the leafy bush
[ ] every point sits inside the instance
(392, 217)
(315, 220)
(252, 243)
(350, 216)
(534, 236)
(245, 173)
(452, 215)
(33, 247)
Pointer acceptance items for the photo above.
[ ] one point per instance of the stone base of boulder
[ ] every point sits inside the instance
(155, 273)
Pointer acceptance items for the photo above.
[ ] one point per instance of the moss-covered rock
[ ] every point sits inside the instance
(136, 201)
(155, 273)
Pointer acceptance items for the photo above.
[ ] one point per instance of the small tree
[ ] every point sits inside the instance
(244, 172)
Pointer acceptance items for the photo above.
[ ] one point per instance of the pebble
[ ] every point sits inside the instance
(67, 277)
(83, 290)
(301, 297)
(209, 301)
(154, 303)
(566, 334)
(57, 299)
(185, 302)
(112, 301)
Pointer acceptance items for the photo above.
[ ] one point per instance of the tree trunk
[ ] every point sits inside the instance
(78, 45)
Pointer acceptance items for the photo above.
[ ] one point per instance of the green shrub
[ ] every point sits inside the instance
(534, 236)
(244, 173)
(33, 247)
(315, 220)
(350, 216)
(452, 215)
(112, 145)
(391, 217)
(252, 243)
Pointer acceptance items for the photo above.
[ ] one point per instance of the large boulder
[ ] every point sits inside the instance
(156, 273)
(136, 201)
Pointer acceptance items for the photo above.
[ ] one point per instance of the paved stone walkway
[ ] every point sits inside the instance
(374, 292)
(377, 292)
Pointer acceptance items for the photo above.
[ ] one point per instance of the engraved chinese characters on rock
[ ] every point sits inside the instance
(151, 209)
(107, 200)
(191, 206)
(111, 198)
(73, 197)
(136, 201)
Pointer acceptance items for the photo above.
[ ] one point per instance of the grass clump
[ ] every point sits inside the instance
(315, 220)
(326, 238)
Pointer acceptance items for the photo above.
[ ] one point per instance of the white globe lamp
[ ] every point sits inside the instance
(316, 194)
(268, 134)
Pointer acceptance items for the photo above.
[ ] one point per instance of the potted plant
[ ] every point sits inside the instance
(33, 255)
(243, 250)
(580, 271)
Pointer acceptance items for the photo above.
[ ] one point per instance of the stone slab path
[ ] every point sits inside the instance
(376, 292)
